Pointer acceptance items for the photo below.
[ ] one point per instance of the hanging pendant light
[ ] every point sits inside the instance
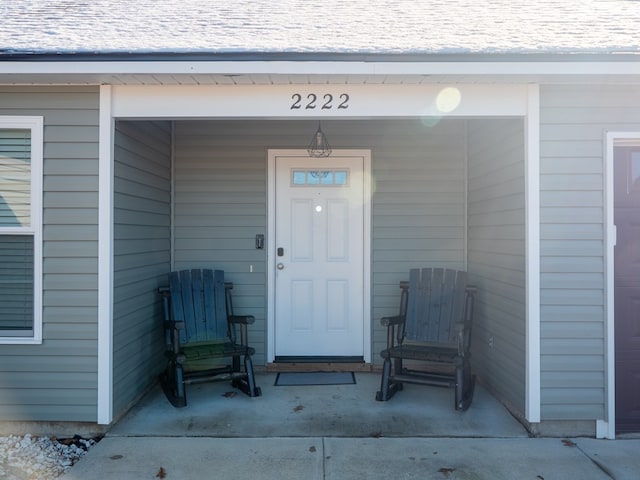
(319, 146)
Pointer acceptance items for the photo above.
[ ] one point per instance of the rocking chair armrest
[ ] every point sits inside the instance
(242, 319)
(395, 320)
(462, 337)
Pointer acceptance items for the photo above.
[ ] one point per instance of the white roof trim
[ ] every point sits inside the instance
(610, 68)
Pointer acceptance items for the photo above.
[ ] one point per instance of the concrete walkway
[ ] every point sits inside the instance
(310, 458)
(341, 432)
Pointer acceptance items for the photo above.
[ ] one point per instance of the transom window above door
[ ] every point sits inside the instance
(314, 177)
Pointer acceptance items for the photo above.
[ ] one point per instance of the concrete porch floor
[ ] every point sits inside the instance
(317, 411)
(327, 432)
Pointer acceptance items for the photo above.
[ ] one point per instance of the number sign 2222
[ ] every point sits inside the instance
(327, 102)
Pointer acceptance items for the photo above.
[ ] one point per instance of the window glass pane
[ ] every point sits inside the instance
(313, 178)
(341, 177)
(299, 177)
(326, 178)
(15, 177)
(16, 283)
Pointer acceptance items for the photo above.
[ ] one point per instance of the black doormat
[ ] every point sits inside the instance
(315, 378)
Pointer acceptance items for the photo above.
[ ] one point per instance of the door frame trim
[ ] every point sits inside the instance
(606, 428)
(271, 230)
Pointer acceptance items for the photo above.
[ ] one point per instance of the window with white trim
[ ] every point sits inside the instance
(21, 140)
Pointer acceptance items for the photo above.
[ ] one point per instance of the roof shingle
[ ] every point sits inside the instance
(340, 26)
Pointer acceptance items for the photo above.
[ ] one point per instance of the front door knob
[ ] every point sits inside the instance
(280, 266)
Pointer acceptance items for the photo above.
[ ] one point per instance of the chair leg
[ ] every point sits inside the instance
(254, 391)
(382, 394)
(172, 382)
(397, 366)
(246, 381)
(388, 387)
(235, 363)
(181, 391)
(465, 385)
(459, 387)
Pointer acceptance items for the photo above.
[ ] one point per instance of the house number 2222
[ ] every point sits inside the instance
(325, 102)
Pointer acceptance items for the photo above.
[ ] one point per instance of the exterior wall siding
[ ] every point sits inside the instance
(220, 205)
(496, 255)
(142, 255)
(220, 202)
(574, 121)
(418, 219)
(418, 209)
(57, 380)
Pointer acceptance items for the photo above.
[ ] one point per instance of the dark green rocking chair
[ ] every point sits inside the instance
(202, 344)
(433, 331)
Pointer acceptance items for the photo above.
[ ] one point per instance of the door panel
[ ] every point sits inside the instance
(627, 287)
(319, 280)
(337, 230)
(302, 241)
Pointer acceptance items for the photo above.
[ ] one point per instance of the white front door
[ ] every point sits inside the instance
(319, 256)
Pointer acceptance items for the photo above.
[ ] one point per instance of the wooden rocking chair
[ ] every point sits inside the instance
(200, 335)
(433, 328)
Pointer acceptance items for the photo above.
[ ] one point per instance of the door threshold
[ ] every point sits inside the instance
(318, 366)
(318, 359)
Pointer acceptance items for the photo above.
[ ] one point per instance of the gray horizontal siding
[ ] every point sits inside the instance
(220, 205)
(574, 119)
(220, 202)
(57, 380)
(418, 208)
(142, 254)
(496, 254)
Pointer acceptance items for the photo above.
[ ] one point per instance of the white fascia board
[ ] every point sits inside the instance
(328, 101)
(302, 67)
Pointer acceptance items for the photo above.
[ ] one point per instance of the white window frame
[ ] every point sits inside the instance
(36, 126)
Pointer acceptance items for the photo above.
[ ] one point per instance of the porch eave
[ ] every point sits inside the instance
(265, 69)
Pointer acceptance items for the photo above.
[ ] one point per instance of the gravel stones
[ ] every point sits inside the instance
(38, 458)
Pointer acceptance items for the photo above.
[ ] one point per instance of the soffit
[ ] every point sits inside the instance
(307, 79)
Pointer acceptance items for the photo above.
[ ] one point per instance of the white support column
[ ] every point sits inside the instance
(532, 174)
(607, 428)
(105, 259)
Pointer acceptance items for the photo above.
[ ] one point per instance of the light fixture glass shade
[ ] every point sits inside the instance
(319, 146)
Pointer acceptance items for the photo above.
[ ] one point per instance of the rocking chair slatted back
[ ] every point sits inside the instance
(435, 304)
(199, 301)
